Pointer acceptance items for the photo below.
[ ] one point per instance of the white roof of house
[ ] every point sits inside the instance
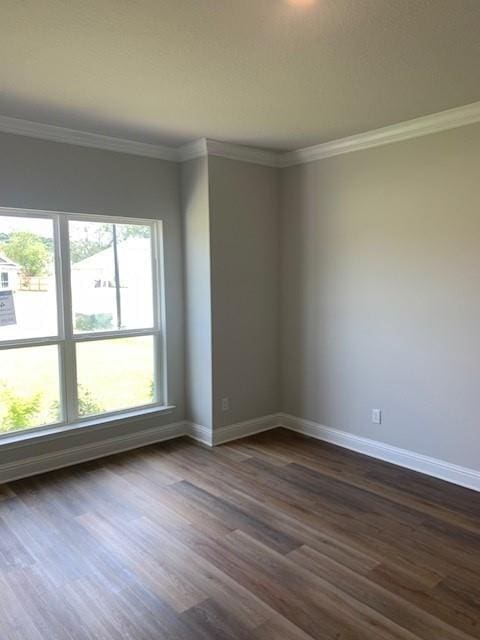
(6, 262)
(127, 249)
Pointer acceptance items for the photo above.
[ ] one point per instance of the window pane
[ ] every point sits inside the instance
(27, 270)
(94, 302)
(29, 388)
(115, 374)
(100, 255)
(134, 251)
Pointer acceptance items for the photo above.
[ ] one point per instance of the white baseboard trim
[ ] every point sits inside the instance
(199, 433)
(42, 463)
(441, 469)
(230, 432)
(244, 429)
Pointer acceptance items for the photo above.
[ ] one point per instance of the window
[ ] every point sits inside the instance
(4, 280)
(86, 336)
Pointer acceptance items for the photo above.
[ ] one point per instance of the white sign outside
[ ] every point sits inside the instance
(7, 308)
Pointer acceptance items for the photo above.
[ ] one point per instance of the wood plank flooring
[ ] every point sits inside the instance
(275, 537)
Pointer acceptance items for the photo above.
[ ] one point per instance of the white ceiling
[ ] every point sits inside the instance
(256, 72)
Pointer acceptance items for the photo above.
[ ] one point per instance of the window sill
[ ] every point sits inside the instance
(46, 433)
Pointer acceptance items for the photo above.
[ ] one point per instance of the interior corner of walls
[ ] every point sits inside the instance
(200, 433)
(244, 204)
(197, 286)
(246, 428)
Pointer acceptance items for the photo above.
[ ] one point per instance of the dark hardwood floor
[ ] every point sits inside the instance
(273, 537)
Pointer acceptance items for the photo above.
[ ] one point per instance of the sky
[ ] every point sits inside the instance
(12, 223)
(78, 230)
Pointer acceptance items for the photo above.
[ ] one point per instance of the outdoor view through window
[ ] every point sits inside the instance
(79, 318)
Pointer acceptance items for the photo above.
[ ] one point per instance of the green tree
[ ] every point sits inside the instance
(126, 231)
(20, 410)
(28, 251)
(100, 237)
(87, 403)
(93, 238)
(152, 392)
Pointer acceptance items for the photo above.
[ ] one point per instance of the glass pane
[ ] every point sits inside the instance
(29, 388)
(27, 278)
(115, 374)
(134, 251)
(99, 253)
(94, 298)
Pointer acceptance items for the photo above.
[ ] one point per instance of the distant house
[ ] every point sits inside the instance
(94, 290)
(9, 273)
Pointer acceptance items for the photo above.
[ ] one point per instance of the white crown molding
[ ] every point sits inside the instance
(462, 476)
(85, 139)
(192, 150)
(243, 154)
(206, 147)
(434, 123)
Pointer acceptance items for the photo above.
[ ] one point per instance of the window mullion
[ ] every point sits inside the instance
(70, 369)
(60, 317)
(59, 278)
(107, 335)
(158, 284)
(117, 277)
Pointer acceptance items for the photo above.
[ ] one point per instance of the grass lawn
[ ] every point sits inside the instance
(117, 373)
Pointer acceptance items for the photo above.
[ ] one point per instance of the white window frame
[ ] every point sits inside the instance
(66, 339)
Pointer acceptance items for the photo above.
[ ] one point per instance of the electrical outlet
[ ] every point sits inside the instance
(376, 416)
(225, 404)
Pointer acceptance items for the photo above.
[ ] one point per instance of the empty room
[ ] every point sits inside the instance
(239, 319)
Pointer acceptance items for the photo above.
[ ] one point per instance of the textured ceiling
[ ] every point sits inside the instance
(259, 72)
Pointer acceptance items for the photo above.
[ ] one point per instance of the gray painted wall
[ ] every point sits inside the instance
(244, 210)
(227, 218)
(59, 177)
(375, 284)
(231, 241)
(198, 312)
(381, 293)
